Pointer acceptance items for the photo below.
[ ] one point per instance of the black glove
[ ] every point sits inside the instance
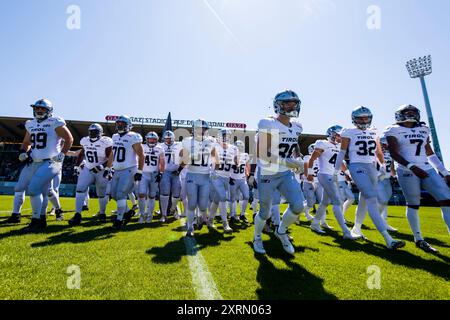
(97, 169)
(231, 182)
(107, 174)
(255, 185)
(137, 176)
(76, 171)
(177, 172)
(158, 177)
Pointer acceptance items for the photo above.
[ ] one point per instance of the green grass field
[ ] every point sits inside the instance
(152, 261)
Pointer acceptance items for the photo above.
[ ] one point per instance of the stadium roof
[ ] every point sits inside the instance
(12, 130)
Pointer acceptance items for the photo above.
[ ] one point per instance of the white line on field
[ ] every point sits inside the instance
(6, 211)
(202, 280)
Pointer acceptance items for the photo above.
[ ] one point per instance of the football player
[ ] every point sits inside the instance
(170, 181)
(238, 179)
(312, 191)
(326, 152)
(127, 160)
(96, 149)
(152, 173)
(409, 146)
(347, 196)
(43, 137)
(197, 153)
(363, 147)
(277, 141)
(220, 177)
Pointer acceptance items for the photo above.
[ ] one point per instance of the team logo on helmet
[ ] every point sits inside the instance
(333, 132)
(362, 118)
(95, 131)
(152, 139)
(407, 113)
(44, 104)
(284, 97)
(123, 124)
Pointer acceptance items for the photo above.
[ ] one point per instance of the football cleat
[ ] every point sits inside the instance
(308, 216)
(326, 226)
(396, 244)
(226, 228)
(127, 217)
(14, 218)
(85, 208)
(233, 219)
(243, 218)
(101, 218)
(141, 220)
(163, 219)
(284, 238)
(316, 228)
(117, 224)
(190, 233)
(258, 246)
(210, 224)
(59, 215)
(134, 208)
(350, 236)
(392, 229)
(425, 246)
(76, 220)
(51, 212)
(149, 218)
(35, 225)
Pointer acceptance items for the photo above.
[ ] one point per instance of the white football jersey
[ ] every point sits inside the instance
(45, 142)
(284, 138)
(239, 172)
(172, 154)
(124, 155)
(341, 176)
(315, 168)
(226, 157)
(327, 159)
(388, 162)
(362, 145)
(198, 154)
(412, 142)
(95, 152)
(151, 158)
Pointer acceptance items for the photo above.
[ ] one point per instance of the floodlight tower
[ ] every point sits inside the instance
(419, 68)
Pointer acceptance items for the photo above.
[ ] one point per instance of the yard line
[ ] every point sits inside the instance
(202, 280)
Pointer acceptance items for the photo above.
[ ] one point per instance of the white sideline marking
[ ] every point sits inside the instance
(202, 280)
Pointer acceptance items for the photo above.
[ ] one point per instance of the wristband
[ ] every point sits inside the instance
(410, 165)
(139, 171)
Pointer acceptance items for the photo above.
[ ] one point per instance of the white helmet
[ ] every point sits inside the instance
(311, 148)
(283, 97)
(169, 135)
(95, 131)
(151, 136)
(407, 113)
(125, 124)
(240, 145)
(225, 135)
(200, 128)
(42, 103)
(358, 114)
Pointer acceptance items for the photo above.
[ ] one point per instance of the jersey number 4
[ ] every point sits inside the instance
(38, 140)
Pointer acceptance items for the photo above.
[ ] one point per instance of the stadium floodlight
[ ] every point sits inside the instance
(420, 68)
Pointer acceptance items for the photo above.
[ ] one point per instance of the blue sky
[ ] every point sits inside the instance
(145, 58)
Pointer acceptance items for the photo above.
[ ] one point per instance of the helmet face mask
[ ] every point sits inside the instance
(333, 133)
(200, 129)
(287, 103)
(362, 118)
(311, 148)
(169, 137)
(407, 113)
(240, 145)
(225, 135)
(123, 124)
(95, 131)
(152, 139)
(42, 109)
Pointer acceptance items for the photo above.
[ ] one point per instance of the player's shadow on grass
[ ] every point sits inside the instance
(400, 257)
(410, 237)
(18, 232)
(294, 283)
(173, 251)
(71, 236)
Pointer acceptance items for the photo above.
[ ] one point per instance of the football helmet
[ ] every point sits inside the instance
(169, 135)
(224, 135)
(311, 148)
(284, 97)
(240, 145)
(152, 139)
(123, 124)
(333, 132)
(95, 131)
(42, 103)
(383, 140)
(362, 118)
(200, 128)
(407, 113)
